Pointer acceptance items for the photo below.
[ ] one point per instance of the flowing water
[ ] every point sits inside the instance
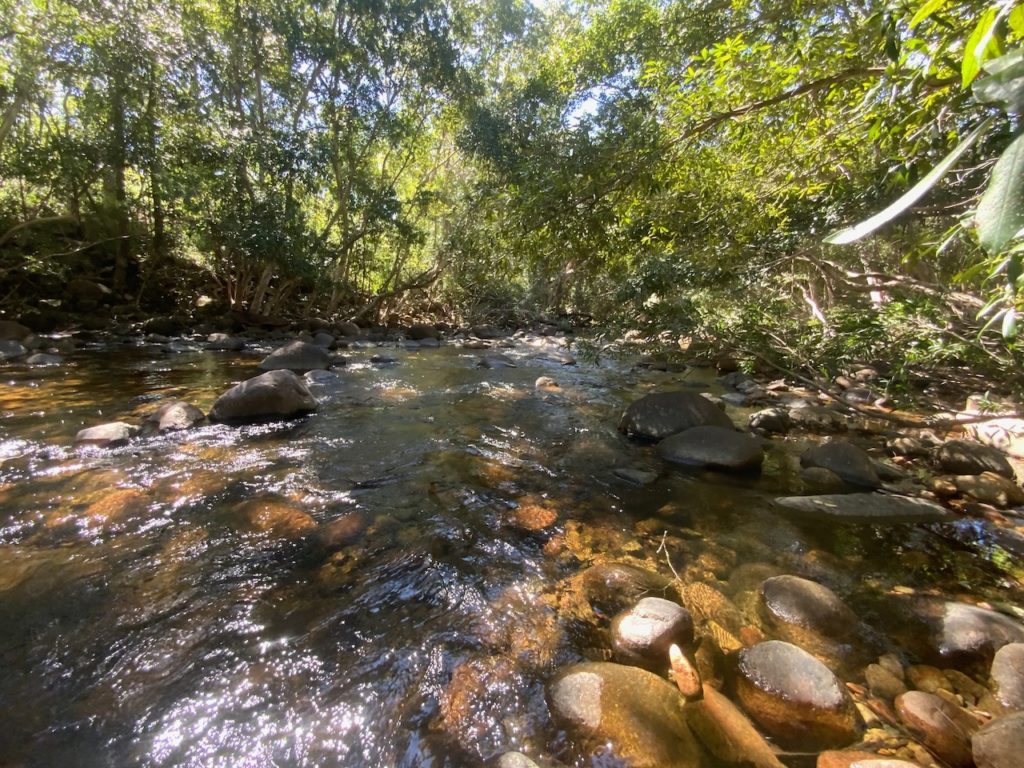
(145, 620)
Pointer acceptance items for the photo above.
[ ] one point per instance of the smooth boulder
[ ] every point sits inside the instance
(944, 728)
(802, 610)
(173, 416)
(110, 435)
(866, 508)
(297, 356)
(659, 415)
(1000, 744)
(713, 447)
(612, 587)
(11, 350)
(630, 713)
(963, 457)
(275, 393)
(641, 635)
(795, 698)
(1008, 676)
(846, 460)
(967, 635)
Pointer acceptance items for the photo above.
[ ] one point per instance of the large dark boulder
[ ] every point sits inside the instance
(713, 447)
(275, 393)
(846, 460)
(297, 356)
(659, 415)
(964, 457)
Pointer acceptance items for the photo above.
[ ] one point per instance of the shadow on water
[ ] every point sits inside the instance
(401, 591)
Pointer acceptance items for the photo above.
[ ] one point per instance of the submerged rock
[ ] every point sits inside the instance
(714, 447)
(866, 508)
(222, 342)
(802, 610)
(727, 733)
(659, 415)
(298, 356)
(641, 635)
(969, 635)
(612, 587)
(106, 435)
(846, 460)
(1000, 744)
(944, 728)
(42, 360)
(274, 516)
(275, 393)
(629, 712)
(795, 697)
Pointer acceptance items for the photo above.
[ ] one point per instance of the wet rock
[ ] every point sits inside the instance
(11, 330)
(106, 435)
(1006, 434)
(866, 508)
(727, 733)
(351, 330)
(714, 447)
(429, 343)
(641, 635)
(275, 393)
(341, 531)
(801, 610)
(659, 415)
(560, 356)
(324, 340)
(845, 459)
(533, 517)
(629, 712)
(42, 360)
(927, 678)
(816, 418)
(222, 342)
(1000, 744)
(11, 350)
(961, 457)
(990, 488)
(496, 360)
(883, 683)
(1008, 676)
(488, 332)
(795, 697)
(176, 415)
(945, 729)
(116, 506)
(821, 480)
(274, 516)
(771, 420)
(511, 760)
(298, 356)
(914, 447)
(856, 759)
(171, 325)
(546, 383)
(967, 635)
(612, 587)
(323, 378)
(424, 331)
(383, 360)
(637, 477)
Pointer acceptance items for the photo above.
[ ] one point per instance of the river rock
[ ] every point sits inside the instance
(612, 587)
(424, 331)
(1006, 434)
(915, 447)
(11, 330)
(297, 356)
(795, 698)
(857, 759)
(967, 635)
(641, 635)
(944, 728)
(511, 760)
(801, 610)
(275, 393)
(1000, 744)
(883, 683)
(110, 435)
(496, 360)
(429, 343)
(866, 508)
(845, 459)
(962, 457)
(771, 420)
(173, 416)
(43, 360)
(222, 342)
(11, 350)
(1008, 676)
(659, 415)
(274, 516)
(628, 712)
(324, 340)
(990, 488)
(817, 418)
(727, 733)
(713, 447)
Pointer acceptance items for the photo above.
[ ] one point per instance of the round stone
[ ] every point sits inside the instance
(612, 587)
(845, 459)
(1008, 676)
(943, 728)
(1000, 744)
(795, 698)
(641, 635)
(714, 447)
(796, 606)
(658, 415)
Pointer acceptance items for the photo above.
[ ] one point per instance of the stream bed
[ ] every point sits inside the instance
(148, 616)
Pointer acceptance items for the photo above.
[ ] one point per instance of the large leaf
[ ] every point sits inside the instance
(926, 10)
(1004, 82)
(912, 195)
(1000, 215)
(982, 45)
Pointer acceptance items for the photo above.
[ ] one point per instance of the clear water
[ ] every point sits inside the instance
(144, 621)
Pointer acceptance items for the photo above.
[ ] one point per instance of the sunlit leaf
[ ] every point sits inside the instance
(1000, 214)
(1010, 324)
(1003, 83)
(981, 45)
(912, 195)
(926, 10)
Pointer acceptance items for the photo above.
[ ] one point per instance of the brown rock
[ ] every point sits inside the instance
(1000, 744)
(117, 505)
(796, 607)
(944, 729)
(111, 435)
(727, 733)
(274, 516)
(641, 635)
(533, 517)
(926, 678)
(990, 488)
(1008, 676)
(883, 683)
(656, 416)
(612, 587)
(795, 697)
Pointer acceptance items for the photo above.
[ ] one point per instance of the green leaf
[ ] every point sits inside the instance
(1000, 214)
(1004, 82)
(912, 195)
(981, 45)
(1016, 20)
(1010, 324)
(926, 10)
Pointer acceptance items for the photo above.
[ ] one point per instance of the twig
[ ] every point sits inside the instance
(663, 548)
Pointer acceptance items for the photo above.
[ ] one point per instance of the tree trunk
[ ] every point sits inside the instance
(118, 152)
